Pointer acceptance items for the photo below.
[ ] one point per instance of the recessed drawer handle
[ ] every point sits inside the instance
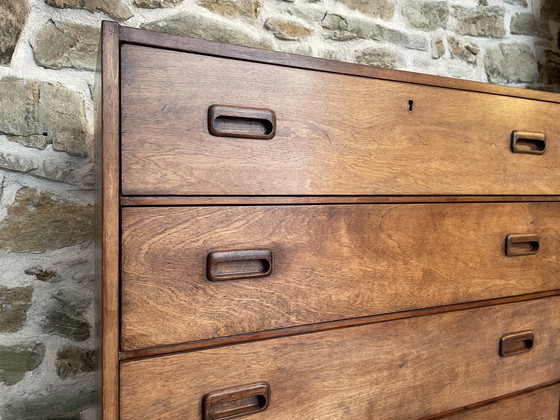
(516, 343)
(241, 122)
(235, 402)
(525, 142)
(239, 264)
(522, 244)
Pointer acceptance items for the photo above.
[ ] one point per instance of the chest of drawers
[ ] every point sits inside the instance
(283, 237)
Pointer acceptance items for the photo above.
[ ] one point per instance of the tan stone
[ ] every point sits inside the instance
(38, 222)
(36, 114)
(156, 4)
(114, 8)
(61, 45)
(384, 9)
(287, 30)
(12, 18)
(185, 24)
(232, 8)
(379, 57)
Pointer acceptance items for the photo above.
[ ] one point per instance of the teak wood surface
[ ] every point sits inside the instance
(405, 369)
(330, 262)
(107, 216)
(452, 146)
(541, 404)
(335, 134)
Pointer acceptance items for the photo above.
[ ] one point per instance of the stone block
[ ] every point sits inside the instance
(485, 21)
(60, 45)
(232, 9)
(14, 303)
(65, 319)
(115, 8)
(36, 114)
(72, 361)
(511, 63)
(426, 15)
(385, 9)
(185, 24)
(379, 57)
(17, 360)
(36, 221)
(13, 15)
(528, 24)
(287, 30)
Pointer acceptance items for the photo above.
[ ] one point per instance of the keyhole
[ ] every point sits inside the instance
(410, 104)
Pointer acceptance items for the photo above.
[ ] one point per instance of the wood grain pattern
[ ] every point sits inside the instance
(325, 326)
(541, 404)
(403, 369)
(381, 258)
(245, 200)
(335, 134)
(107, 217)
(186, 44)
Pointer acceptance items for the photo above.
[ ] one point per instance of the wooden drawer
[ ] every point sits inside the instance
(334, 134)
(405, 369)
(329, 262)
(541, 404)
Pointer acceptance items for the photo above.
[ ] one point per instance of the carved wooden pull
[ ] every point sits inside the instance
(235, 402)
(516, 343)
(525, 142)
(522, 244)
(241, 122)
(239, 264)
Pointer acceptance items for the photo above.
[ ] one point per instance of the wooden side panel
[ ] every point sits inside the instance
(335, 134)
(107, 214)
(330, 262)
(404, 369)
(541, 404)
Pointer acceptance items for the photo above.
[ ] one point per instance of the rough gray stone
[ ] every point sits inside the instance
(287, 30)
(44, 275)
(61, 45)
(156, 4)
(37, 222)
(511, 63)
(195, 26)
(340, 28)
(72, 361)
(14, 304)
(12, 18)
(17, 360)
(551, 68)
(463, 49)
(55, 166)
(66, 320)
(232, 9)
(438, 46)
(427, 15)
(385, 9)
(522, 3)
(527, 24)
(550, 9)
(487, 21)
(38, 113)
(309, 14)
(55, 403)
(379, 57)
(115, 8)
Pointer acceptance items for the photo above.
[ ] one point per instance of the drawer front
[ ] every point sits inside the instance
(542, 404)
(195, 273)
(334, 134)
(405, 369)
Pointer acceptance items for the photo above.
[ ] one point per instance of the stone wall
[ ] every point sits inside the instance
(47, 58)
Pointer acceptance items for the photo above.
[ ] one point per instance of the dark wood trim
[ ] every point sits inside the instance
(279, 200)
(110, 169)
(491, 401)
(307, 329)
(199, 46)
